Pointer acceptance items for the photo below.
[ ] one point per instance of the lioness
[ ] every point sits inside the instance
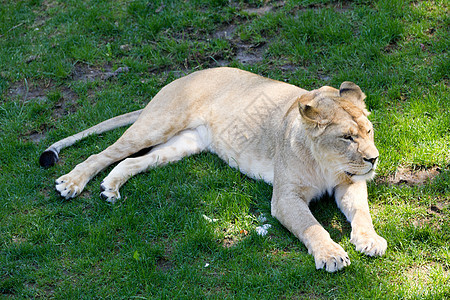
(304, 143)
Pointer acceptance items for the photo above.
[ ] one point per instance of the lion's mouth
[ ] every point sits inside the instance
(353, 174)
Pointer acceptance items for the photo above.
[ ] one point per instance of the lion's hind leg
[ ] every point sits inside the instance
(152, 128)
(186, 143)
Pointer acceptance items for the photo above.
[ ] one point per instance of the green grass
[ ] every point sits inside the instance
(155, 242)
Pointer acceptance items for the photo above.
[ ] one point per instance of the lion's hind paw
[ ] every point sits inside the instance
(66, 188)
(109, 194)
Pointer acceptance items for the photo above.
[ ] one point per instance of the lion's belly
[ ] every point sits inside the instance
(247, 158)
(253, 166)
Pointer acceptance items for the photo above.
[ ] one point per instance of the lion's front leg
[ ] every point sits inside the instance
(293, 212)
(352, 200)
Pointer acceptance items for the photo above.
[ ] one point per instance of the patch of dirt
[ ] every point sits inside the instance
(391, 47)
(232, 236)
(421, 277)
(289, 67)
(164, 265)
(229, 241)
(410, 176)
(250, 53)
(418, 273)
(434, 216)
(67, 104)
(260, 10)
(36, 137)
(245, 53)
(324, 77)
(18, 240)
(40, 88)
(226, 32)
(340, 7)
(437, 208)
(25, 90)
(86, 73)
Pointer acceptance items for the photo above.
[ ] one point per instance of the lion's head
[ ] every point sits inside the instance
(342, 136)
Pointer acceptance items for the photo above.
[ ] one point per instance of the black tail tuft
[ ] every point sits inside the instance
(48, 158)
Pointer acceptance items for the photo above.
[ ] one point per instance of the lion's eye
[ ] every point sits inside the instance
(348, 137)
(369, 131)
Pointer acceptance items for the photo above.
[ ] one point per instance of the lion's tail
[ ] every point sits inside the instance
(50, 156)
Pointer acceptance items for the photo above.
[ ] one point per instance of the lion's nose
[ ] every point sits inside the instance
(371, 160)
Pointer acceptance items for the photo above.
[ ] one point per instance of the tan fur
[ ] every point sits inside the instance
(303, 143)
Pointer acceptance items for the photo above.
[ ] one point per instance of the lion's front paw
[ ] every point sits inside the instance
(331, 257)
(369, 243)
(110, 194)
(68, 186)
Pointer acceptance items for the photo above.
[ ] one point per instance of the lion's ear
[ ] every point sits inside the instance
(352, 92)
(312, 114)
